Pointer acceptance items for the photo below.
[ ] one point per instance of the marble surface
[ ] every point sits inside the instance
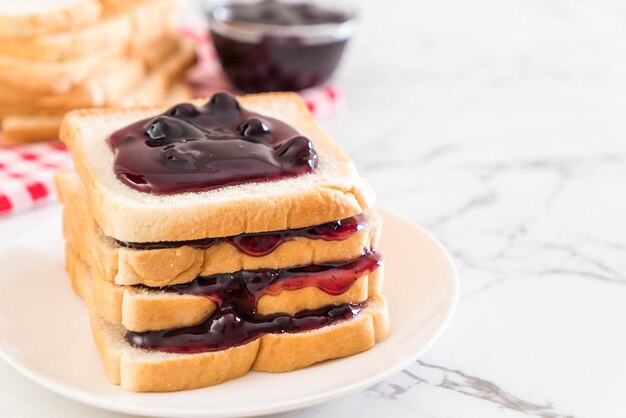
(498, 126)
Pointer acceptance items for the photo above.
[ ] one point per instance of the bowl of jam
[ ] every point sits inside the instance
(279, 45)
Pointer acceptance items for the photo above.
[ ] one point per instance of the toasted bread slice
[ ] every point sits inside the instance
(141, 370)
(162, 267)
(334, 191)
(28, 18)
(141, 309)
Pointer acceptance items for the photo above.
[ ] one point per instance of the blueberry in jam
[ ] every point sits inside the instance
(190, 148)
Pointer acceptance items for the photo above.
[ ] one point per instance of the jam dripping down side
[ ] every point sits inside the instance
(226, 328)
(260, 244)
(190, 148)
(236, 322)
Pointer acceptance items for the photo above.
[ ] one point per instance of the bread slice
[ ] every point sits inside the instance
(162, 267)
(141, 370)
(18, 129)
(144, 77)
(140, 309)
(68, 45)
(111, 82)
(129, 23)
(28, 18)
(334, 191)
(55, 77)
(159, 86)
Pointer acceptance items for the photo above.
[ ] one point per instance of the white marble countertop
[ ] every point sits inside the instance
(500, 127)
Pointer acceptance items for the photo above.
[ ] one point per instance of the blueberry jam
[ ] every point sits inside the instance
(242, 289)
(276, 45)
(263, 243)
(191, 148)
(236, 321)
(226, 328)
(272, 12)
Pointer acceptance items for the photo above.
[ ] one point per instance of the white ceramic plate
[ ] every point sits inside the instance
(44, 332)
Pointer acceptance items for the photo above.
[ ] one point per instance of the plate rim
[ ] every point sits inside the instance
(91, 399)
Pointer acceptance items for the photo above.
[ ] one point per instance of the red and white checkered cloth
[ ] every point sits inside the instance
(26, 174)
(26, 171)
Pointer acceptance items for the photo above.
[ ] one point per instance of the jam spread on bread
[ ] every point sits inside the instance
(236, 321)
(190, 148)
(278, 46)
(263, 243)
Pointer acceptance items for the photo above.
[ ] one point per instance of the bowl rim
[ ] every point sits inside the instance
(251, 32)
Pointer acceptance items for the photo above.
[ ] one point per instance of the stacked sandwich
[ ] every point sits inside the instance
(65, 54)
(217, 237)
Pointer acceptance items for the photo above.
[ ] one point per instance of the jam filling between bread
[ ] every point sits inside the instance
(190, 148)
(263, 243)
(236, 322)
(226, 329)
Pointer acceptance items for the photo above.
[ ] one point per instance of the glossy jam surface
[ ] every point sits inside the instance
(278, 63)
(260, 244)
(191, 148)
(236, 322)
(227, 328)
(243, 289)
(274, 12)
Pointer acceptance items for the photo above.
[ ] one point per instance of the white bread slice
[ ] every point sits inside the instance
(18, 129)
(141, 370)
(67, 45)
(129, 23)
(140, 309)
(163, 267)
(27, 18)
(111, 82)
(144, 77)
(159, 86)
(149, 21)
(55, 77)
(334, 191)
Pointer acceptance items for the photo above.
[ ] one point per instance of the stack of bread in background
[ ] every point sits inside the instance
(59, 55)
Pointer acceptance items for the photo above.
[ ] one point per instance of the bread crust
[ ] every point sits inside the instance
(145, 371)
(334, 192)
(55, 77)
(148, 310)
(162, 267)
(123, 87)
(69, 44)
(18, 129)
(143, 77)
(72, 16)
